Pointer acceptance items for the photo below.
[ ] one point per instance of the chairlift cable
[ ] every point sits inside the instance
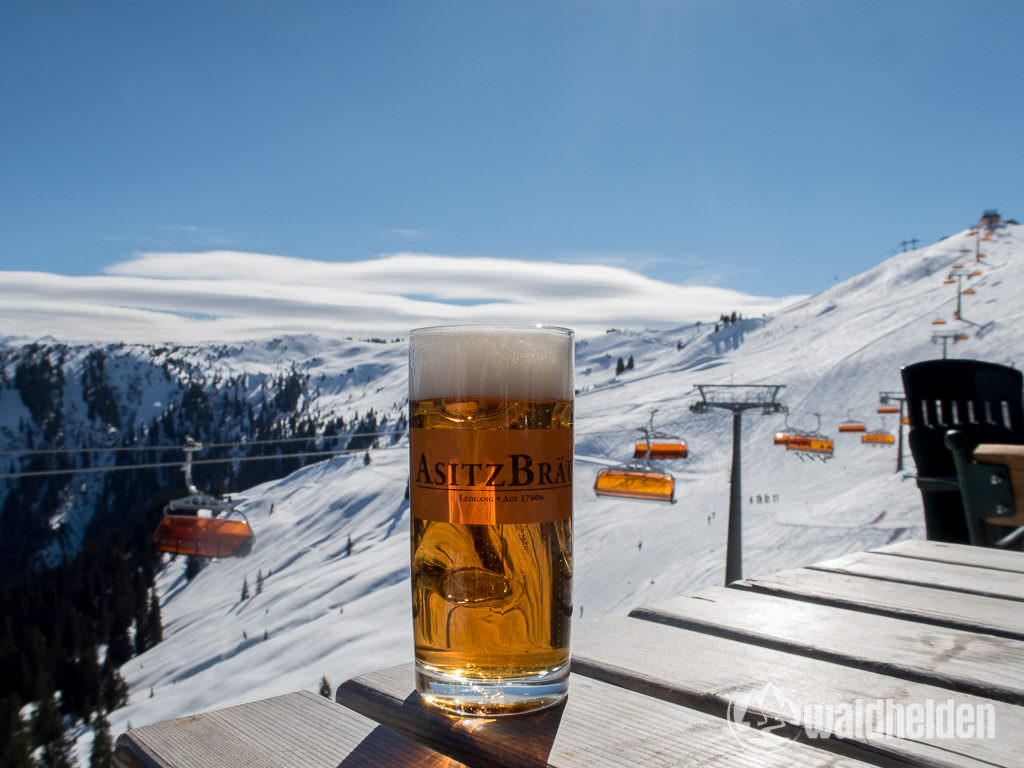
(141, 448)
(164, 464)
(236, 444)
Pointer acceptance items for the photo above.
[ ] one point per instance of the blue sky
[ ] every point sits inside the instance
(766, 147)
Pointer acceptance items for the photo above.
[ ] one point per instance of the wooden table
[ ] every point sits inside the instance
(771, 671)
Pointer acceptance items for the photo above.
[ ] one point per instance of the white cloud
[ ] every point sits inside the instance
(230, 295)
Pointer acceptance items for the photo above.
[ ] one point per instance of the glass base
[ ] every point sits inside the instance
(495, 696)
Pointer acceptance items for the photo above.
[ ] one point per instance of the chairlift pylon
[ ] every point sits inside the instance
(184, 531)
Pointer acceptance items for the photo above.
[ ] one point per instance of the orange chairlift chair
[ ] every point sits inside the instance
(878, 437)
(788, 433)
(807, 445)
(659, 445)
(185, 530)
(637, 479)
(881, 436)
(852, 425)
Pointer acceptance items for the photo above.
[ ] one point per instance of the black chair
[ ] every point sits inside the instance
(979, 402)
(991, 479)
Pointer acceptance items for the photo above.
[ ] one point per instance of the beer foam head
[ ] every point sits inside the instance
(534, 362)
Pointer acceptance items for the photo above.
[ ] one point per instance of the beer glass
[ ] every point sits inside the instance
(490, 487)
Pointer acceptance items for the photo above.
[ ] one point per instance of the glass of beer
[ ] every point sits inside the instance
(490, 487)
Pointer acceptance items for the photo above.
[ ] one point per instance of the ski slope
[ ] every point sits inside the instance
(324, 611)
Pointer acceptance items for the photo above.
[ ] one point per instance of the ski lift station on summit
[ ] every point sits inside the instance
(192, 525)
(638, 479)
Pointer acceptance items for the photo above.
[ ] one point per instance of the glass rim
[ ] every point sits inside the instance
(454, 327)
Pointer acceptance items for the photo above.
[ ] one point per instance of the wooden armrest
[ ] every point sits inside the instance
(1001, 453)
(1012, 456)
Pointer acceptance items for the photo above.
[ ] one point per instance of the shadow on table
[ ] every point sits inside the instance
(520, 740)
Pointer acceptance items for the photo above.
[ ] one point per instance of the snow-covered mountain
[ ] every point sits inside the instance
(138, 396)
(328, 609)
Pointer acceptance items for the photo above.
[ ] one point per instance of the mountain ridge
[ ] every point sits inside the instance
(325, 612)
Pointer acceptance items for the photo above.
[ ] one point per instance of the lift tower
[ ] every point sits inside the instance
(737, 398)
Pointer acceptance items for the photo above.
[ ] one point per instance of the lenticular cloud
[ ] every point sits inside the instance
(230, 295)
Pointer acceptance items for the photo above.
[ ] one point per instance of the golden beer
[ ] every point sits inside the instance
(491, 504)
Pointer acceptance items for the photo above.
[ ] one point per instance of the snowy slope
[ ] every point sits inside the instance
(147, 385)
(324, 612)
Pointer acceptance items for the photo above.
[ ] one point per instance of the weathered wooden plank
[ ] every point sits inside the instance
(599, 725)
(952, 658)
(964, 554)
(296, 730)
(974, 613)
(721, 675)
(929, 573)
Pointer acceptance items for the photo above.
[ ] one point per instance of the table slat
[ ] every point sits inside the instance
(929, 573)
(295, 730)
(599, 726)
(974, 613)
(956, 659)
(963, 554)
(695, 669)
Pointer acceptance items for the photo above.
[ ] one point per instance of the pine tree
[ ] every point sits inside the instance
(113, 688)
(366, 459)
(15, 743)
(259, 582)
(119, 649)
(102, 753)
(619, 366)
(49, 732)
(193, 565)
(629, 363)
(142, 635)
(87, 683)
(156, 626)
(325, 687)
(245, 587)
(348, 546)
